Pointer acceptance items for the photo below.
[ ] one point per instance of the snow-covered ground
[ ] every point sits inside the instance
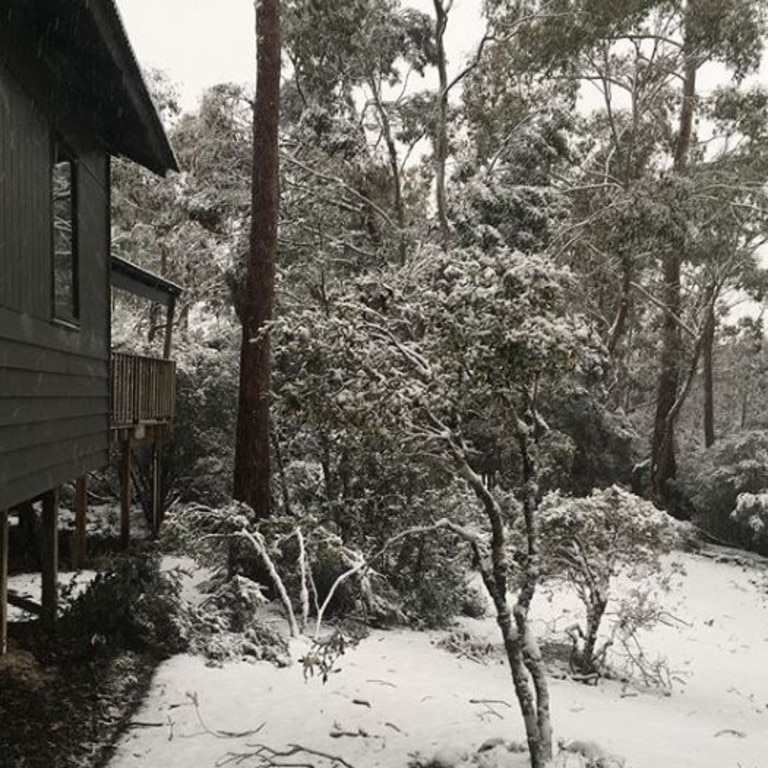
(28, 585)
(398, 693)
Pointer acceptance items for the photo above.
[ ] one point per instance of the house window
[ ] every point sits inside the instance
(66, 299)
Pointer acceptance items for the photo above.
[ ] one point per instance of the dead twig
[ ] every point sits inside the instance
(275, 758)
(491, 701)
(339, 733)
(218, 734)
(139, 724)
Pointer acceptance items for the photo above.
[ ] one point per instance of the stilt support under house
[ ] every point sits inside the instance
(50, 556)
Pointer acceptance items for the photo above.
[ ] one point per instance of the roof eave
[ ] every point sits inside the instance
(159, 157)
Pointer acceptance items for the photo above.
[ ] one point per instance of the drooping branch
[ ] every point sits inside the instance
(363, 564)
(256, 540)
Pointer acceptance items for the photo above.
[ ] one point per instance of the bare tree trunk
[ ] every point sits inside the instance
(394, 166)
(619, 327)
(744, 408)
(708, 343)
(663, 447)
(586, 661)
(523, 655)
(252, 455)
(441, 130)
(664, 466)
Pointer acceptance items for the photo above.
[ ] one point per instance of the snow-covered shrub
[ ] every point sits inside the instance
(752, 512)
(298, 560)
(227, 624)
(132, 605)
(735, 465)
(236, 601)
(447, 360)
(586, 542)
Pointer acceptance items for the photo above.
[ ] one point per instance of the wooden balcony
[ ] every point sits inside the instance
(143, 391)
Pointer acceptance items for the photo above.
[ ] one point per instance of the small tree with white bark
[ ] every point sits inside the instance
(453, 345)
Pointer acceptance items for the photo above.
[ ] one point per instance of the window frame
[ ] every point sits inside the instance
(61, 152)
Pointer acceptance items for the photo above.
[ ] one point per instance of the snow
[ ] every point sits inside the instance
(398, 693)
(103, 522)
(29, 585)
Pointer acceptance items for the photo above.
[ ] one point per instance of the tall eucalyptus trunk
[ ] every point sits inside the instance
(707, 353)
(664, 465)
(441, 129)
(252, 448)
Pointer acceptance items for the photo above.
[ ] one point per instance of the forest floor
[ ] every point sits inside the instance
(401, 693)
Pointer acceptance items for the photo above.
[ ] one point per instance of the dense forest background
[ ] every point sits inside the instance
(575, 220)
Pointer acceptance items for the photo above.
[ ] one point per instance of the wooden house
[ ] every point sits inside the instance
(71, 96)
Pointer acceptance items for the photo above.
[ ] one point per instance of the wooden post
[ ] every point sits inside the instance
(81, 513)
(169, 327)
(28, 539)
(50, 552)
(155, 478)
(125, 495)
(3, 581)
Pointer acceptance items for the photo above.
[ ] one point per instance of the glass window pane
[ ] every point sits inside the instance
(65, 298)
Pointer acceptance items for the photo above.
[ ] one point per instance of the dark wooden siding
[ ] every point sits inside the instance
(54, 380)
(24, 204)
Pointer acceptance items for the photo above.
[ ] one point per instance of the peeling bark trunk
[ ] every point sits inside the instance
(441, 130)
(252, 454)
(664, 465)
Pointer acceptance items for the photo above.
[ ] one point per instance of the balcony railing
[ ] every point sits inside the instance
(143, 390)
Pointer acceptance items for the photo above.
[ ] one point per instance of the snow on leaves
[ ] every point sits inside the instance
(442, 340)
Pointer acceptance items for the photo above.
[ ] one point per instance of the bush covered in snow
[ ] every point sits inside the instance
(732, 467)
(752, 513)
(587, 541)
(132, 605)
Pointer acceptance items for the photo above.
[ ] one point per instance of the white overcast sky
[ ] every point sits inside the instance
(199, 43)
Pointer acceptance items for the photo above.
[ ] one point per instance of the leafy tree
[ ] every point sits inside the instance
(423, 353)
(643, 149)
(351, 67)
(587, 541)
